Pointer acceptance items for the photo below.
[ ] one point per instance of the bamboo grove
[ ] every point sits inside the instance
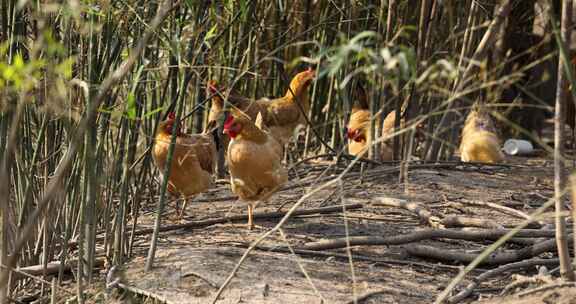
(83, 85)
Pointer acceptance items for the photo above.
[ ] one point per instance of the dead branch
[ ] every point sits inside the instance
(462, 221)
(425, 215)
(235, 219)
(356, 257)
(520, 281)
(244, 218)
(424, 235)
(499, 258)
(145, 293)
(51, 268)
(498, 271)
(503, 209)
(16, 273)
(386, 290)
(555, 285)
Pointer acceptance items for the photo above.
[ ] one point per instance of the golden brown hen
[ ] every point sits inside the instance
(480, 142)
(280, 115)
(359, 126)
(192, 163)
(255, 161)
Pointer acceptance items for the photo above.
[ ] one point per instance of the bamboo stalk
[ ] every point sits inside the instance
(566, 269)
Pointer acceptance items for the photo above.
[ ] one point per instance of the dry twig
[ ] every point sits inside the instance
(424, 235)
(493, 259)
(498, 271)
(425, 215)
(243, 218)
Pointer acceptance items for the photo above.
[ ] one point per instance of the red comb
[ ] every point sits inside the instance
(171, 115)
(350, 133)
(212, 86)
(228, 122)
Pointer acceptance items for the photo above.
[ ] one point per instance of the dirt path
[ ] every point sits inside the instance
(192, 263)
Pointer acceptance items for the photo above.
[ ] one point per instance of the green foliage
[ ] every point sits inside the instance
(20, 75)
(394, 64)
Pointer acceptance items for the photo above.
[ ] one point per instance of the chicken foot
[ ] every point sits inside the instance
(251, 225)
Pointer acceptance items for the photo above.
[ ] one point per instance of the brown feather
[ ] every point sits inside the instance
(480, 142)
(360, 120)
(192, 163)
(255, 162)
(280, 115)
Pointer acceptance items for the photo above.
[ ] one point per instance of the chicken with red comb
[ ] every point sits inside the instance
(255, 161)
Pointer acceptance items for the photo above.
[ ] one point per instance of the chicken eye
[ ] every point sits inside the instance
(236, 127)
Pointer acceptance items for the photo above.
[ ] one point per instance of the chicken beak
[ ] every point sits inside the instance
(225, 131)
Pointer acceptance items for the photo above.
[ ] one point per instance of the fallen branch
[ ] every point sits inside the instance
(462, 221)
(424, 215)
(498, 271)
(356, 257)
(424, 235)
(51, 268)
(145, 293)
(233, 219)
(555, 285)
(387, 290)
(503, 209)
(499, 258)
(244, 218)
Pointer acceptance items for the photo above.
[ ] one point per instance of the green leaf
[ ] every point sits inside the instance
(8, 72)
(190, 4)
(150, 113)
(131, 98)
(131, 106)
(65, 67)
(18, 63)
(211, 33)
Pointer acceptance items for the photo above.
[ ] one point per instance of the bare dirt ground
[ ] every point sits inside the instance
(191, 264)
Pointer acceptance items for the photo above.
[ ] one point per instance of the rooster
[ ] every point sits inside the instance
(280, 115)
(480, 142)
(193, 160)
(254, 159)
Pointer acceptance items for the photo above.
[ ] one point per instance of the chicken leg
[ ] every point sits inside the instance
(250, 216)
(183, 209)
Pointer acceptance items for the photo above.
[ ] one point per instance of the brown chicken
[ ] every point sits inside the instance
(280, 115)
(254, 159)
(480, 142)
(217, 101)
(216, 109)
(193, 160)
(358, 129)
